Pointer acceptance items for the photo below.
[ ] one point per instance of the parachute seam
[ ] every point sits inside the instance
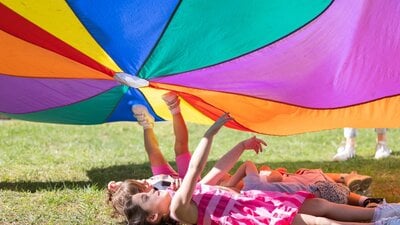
(158, 40)
(115, 106)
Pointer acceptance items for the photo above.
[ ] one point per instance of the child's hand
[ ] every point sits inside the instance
(176, 184)
(281, 170)
(213, 130)
(254, 143)
(113, 186)
(301, 170)
(264, 167)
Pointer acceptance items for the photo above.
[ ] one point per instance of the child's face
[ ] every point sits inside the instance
(153, 201)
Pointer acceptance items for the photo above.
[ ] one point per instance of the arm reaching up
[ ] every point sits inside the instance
(181, 206)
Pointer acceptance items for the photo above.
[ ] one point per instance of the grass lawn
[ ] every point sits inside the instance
(56, 174)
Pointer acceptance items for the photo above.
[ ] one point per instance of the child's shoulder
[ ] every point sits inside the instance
(184, 213)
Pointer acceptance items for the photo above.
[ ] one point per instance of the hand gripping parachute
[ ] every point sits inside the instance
(278, 67)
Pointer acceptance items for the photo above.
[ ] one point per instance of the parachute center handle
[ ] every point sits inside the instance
(130, 80)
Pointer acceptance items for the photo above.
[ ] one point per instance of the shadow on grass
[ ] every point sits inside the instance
(33, 186)
(99, 177)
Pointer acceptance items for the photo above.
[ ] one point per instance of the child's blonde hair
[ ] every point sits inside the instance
(118, 198)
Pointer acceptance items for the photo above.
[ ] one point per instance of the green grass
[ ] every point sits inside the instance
(56, 174)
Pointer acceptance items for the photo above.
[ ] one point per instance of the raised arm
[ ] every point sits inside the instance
(227, 161)
(181, 207)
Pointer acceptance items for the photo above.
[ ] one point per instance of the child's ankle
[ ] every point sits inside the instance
(173, 102)
(176, 109)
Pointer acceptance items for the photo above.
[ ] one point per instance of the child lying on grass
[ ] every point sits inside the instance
(200, 203)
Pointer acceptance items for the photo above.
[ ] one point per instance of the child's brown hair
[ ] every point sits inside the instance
(118, 197)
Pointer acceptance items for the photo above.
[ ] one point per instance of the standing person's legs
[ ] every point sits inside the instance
(347, 150)
(350, 135)
(380, 134)
(181, 146)
(381, 149)
(157, 161)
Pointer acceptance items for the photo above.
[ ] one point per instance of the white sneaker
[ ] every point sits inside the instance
(382, 150)
(345, 152)
(384, 211)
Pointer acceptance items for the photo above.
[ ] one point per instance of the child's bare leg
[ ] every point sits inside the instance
(181, 134)
(145, 120)
(181, 146)
(152, 148)
(180, 130)
(341, 212)
(304, 219)
(354, 199)
(337, 177)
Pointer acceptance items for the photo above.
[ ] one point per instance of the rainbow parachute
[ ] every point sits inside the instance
(278, 67)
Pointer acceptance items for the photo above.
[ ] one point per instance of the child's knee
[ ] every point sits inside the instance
(302, 219)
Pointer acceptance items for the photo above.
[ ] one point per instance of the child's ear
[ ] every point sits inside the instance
(153, 217)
